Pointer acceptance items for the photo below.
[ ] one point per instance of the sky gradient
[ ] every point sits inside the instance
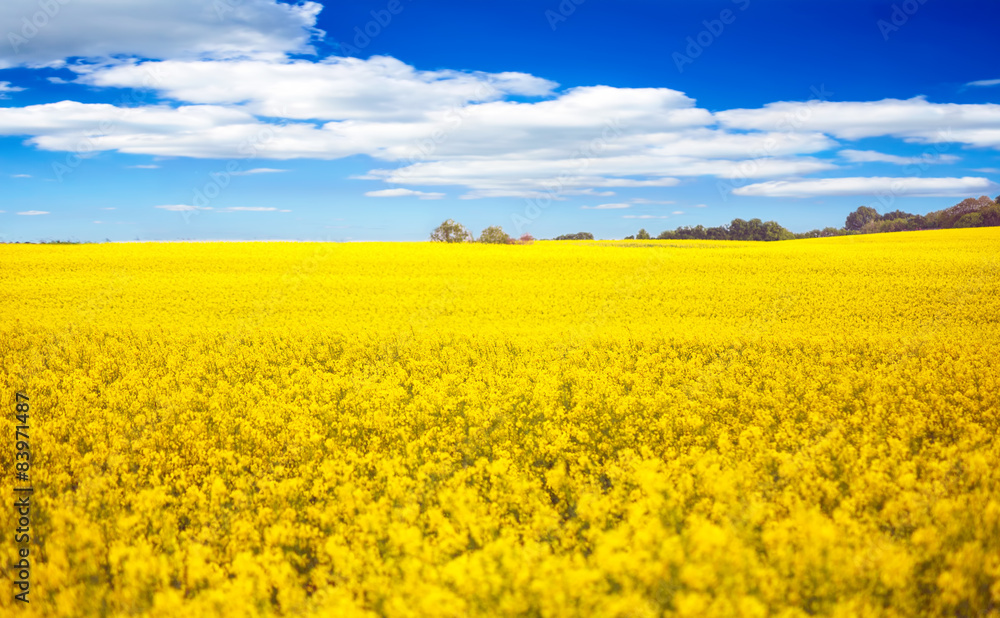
(254, 119)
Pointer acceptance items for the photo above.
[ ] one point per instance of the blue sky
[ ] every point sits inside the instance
(377, 120)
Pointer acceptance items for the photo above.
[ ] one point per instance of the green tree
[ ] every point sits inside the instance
(450, 231)
(861, 217)
(494, 235)
(739, 230)
(972, 219)
(642, 235)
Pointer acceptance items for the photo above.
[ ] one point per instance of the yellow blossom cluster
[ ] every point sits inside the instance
(637, 428)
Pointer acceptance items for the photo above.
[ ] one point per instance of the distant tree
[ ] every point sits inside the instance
(577, 236)
(739, 229)
(526, 239)
(991, 215)
(972, 219)
(863, 215)
(720, 232)
(771, 231)
(450, 231)
(494, 235)
(642, 235)
(630, 238)
(896, 214)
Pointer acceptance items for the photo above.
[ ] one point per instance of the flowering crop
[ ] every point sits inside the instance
(640, 428)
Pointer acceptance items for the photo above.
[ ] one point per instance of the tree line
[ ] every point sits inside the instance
(972, 212)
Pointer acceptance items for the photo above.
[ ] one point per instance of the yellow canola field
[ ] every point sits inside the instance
(662, 428)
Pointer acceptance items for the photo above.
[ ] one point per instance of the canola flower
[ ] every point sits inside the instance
(647, 428)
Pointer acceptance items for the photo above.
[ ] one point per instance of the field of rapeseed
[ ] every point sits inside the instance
(662, 428)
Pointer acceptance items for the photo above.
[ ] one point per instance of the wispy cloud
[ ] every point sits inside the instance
(259, 170)
(915, 187)
(5, 87)
(677, 212)
(985, 82)
(143, 167)
(20, 175)
(405, 193)
(606, 207)
(251, 209)
(32, 213)
(182, 207)
(872, 156)
(640, 200)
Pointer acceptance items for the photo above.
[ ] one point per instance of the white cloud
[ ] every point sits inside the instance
(914, 187)
(334, 88)
(143, 167)
(100, 29)
(405, 193)
(465, 129)
(914, 120)
(20, 175)
(985, 82)
(871, 156)
(642, 200)
(606, 207)
(5, 87)
(182, 207)
(987, 170)
(249, 209)
(258, 170)
(701, 205)
(32, 213)
(677, 212)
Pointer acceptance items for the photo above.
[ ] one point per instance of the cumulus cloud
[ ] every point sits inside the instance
(914, 187)
(334, 88)
(405, 193)
(101, 29)
(480, 132)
